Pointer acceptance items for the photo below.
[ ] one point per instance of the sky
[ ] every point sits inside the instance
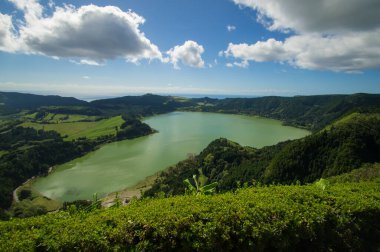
(217, 47)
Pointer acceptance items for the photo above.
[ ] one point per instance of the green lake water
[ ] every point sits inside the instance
(123, 164)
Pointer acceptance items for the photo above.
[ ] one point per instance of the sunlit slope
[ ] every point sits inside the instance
(79, 129)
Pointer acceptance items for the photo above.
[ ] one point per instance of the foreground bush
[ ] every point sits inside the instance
(342, 217)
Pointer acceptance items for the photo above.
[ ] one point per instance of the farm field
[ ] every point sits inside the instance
(77, 129)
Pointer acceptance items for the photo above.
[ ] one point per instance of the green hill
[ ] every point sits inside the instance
(147, 104)
(311, 112)
(16, 100)
(340, 149)
(368, 172)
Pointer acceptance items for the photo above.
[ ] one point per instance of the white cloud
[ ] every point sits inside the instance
(88, 35)
(261, 51)
(7, 39)
(231, 28)
(242, 64)
(51, 4)
(339, 35)
(347, 53)
(32, 9)
(91, 34)
(86, 77)
(190, 54)
(89, 62)
(317, 16)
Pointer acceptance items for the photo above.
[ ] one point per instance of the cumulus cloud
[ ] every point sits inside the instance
(90, 33)
(231, 28)
(261, 51)
(190, 54)
(317, 16)
(32, 9)
(7, 39)
(347, 53)
(339, 35)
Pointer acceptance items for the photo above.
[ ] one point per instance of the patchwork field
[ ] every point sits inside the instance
(77, 129)
(58, 118)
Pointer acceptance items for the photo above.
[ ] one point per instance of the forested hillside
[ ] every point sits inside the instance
(13, 101)
(311, 112)
(33, 155)
(148, 104)
(344, 146)
(331, 152)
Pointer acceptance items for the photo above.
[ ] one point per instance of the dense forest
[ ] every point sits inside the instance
(12, 102)
(132, 128)
(310, 112)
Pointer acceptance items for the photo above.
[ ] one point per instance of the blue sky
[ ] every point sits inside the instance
(230, 47)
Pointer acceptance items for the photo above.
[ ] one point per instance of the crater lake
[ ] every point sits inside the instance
(123, 164)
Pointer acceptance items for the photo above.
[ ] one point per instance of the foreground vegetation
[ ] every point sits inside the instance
(341, 217)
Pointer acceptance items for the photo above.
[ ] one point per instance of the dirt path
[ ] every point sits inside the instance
(15, 196)
(127, 194)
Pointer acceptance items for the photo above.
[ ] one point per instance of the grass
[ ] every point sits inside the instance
(38, 199)
(3, 152)
(353, 117)
(59, 118)
(368, 172)
(75, 130)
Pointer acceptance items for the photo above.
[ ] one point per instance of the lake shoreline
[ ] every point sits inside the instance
(216, 125)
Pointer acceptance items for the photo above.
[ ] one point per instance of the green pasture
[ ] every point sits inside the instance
(73, 130)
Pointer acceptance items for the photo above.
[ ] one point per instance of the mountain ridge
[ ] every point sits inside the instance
(311, 112)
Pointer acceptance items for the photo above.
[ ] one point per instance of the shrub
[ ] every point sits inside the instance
(342, 217)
